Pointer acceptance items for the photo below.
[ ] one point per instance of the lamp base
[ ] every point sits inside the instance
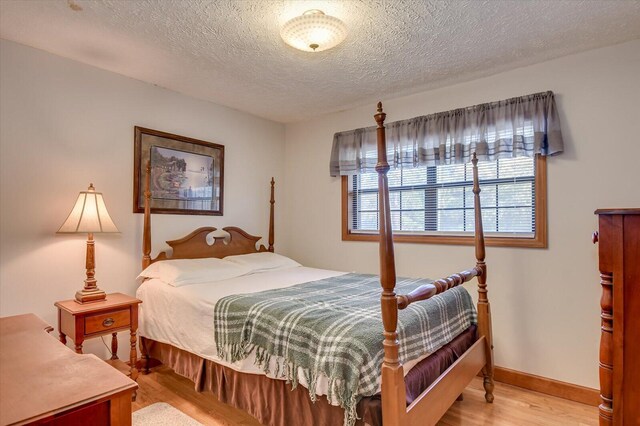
(88, 296)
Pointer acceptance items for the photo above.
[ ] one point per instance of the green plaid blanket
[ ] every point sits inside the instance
(333, 327)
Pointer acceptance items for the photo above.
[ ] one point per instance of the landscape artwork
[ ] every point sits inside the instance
(186, 174)
(180, 175)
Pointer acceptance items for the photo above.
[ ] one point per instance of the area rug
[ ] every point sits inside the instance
(161, 414)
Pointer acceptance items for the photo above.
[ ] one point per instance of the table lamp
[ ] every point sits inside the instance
(89, 215)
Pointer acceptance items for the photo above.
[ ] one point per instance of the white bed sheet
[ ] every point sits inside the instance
(183, 316)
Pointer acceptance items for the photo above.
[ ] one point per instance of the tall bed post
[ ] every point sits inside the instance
(146, 237)
(146, 254)
(272, 202)
(484, 308)
(393, 386)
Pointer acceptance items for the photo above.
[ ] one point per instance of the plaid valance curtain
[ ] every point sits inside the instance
(516, 127)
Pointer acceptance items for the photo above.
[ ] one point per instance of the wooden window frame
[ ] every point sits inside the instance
(539, 240)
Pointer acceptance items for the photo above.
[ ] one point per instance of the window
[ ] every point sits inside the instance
(435, 204)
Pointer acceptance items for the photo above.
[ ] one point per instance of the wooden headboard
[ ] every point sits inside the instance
(196, 244)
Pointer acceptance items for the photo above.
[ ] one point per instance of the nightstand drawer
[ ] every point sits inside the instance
(107, 321)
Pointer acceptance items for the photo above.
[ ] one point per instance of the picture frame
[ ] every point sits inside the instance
(187, 174)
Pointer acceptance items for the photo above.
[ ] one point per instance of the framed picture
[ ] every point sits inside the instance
(186, 174)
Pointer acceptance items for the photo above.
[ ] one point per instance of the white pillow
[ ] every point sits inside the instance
(181, 272)
(262, 262)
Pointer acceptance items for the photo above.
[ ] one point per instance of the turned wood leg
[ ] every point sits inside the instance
(484, 311)
(606, 350)
(488, 384)
(133, 357)
(145, 357)
(63, 338)
(114, 346)
(78, 341)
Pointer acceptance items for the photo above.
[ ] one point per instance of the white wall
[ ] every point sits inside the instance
(63, 125)
(545, 301)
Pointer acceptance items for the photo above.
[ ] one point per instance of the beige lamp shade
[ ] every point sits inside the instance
(89, 215)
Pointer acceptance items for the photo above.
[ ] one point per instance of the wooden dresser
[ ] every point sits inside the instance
(618, 236)
(44, 382)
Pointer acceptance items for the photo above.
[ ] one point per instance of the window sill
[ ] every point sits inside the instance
(539, 241)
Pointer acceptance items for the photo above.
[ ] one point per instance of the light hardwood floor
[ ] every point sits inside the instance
(512, 406)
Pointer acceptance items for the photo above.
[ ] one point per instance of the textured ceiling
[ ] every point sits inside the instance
(230, 52)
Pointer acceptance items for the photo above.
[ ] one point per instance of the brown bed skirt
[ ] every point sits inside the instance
(273, 403)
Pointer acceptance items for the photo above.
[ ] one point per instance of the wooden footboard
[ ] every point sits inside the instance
(433, 402)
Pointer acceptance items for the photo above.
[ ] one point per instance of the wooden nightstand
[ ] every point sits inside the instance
(118, 312)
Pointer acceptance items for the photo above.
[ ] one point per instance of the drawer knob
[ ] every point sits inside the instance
(108, 322)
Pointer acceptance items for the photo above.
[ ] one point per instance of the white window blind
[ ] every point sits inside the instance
(439, 199)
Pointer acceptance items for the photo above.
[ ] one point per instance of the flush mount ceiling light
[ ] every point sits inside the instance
(314, 31)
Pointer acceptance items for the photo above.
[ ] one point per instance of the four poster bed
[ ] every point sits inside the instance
(179, 322)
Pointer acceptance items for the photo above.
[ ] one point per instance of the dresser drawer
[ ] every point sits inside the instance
(107, 321)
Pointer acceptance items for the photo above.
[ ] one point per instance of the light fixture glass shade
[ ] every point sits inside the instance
(89, 215)
(314, 31)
